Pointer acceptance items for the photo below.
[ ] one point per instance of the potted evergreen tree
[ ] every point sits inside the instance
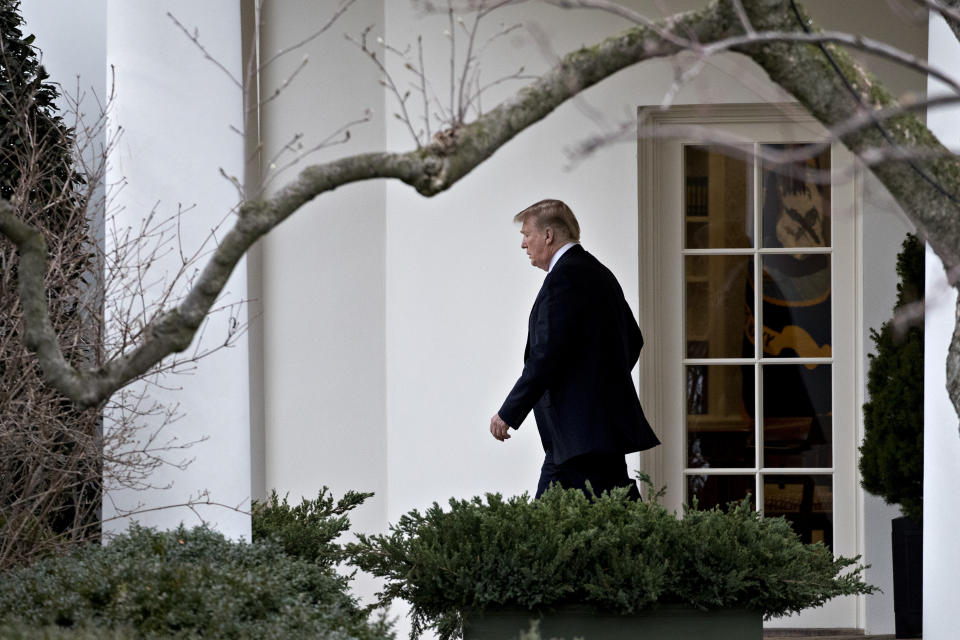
(607, 568)
(891, 458)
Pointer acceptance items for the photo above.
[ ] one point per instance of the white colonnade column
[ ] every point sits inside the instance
(176, 109)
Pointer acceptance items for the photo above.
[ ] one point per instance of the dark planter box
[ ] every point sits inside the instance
(664, 623)
(908, 577)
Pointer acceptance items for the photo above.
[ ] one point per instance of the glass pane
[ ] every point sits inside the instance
(716, 318)
(805, 500)
(796, 208)
(720, 429)
(797, 415)
(711, 491)
(796, 306)
(718, 199)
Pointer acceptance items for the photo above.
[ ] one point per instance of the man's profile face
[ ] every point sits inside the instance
(537, 243)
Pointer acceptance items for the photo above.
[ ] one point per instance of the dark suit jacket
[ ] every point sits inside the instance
(582, 344)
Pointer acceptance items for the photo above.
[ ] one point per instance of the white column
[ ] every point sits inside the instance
(175, 109)
(941, 500)
(323, 268)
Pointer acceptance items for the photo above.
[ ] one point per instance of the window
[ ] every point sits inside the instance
(748, 303)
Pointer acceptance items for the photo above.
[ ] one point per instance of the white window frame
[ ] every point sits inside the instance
(662, 299)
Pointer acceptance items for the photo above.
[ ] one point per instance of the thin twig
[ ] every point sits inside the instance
(339, 136)
(423, 87)
(783, 162)
(388, 82)
(742, 16)
(468, 60)
(286, 83)
(855, 41)
(195, 38)
(453, 57)
(344, 5)
(517, 75)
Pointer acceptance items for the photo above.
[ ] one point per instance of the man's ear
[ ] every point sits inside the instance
(548, 235)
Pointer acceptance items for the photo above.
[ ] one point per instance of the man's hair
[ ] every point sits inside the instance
(551, 213)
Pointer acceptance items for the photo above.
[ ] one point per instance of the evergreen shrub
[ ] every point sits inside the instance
(307, 530)
(184, 583)
(51, 452)
(20, 631)
(610, 553)
(891, 457)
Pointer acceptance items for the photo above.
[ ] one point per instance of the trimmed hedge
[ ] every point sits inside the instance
(891, 457)
(308, 530)
(185, 584)
(611, 552)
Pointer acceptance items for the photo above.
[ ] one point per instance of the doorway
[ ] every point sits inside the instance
(749, 298)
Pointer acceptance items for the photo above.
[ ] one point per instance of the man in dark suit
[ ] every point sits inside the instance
(582, 344)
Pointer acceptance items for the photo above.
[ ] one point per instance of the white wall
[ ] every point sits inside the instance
(72, 39)
(175, 108)
(883, 229)
(941, 501)
(323, 270)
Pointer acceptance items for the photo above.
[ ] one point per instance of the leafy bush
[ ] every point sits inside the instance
(186, 583)
(309, 529)
(891, 458)
(613, 553)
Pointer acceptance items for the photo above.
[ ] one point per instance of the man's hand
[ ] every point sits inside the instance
(498, 428)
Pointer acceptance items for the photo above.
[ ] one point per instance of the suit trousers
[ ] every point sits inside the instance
(604, 471)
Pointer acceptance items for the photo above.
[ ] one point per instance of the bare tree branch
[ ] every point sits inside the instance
(286, 83)
(627, 131)
(751, 36)
(742, 16)
(422, 75)
(388, 82)
(195, 39)
(344, 5)
(429, 170)
(855, 41)
(949, 9)
(779, 45)
(807, 74)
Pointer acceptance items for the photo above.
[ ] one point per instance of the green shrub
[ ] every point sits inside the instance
(309, 529)
(186, 583)
(612, 553)
(891, 458)
(19, 631)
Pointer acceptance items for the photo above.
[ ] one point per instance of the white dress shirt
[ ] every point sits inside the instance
(562, 250)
